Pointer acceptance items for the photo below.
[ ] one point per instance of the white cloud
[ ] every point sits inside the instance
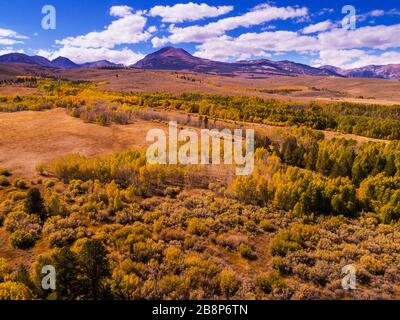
(325, 11)
(319, 27)
(255, 44)
(152, 29)
(120, 11)
(128, 29)
(10, 37)
(82, 55)
(337, 46)
(350, 59)
(6, 50)
(188, 12)
(258, 15)
(377, 37)
(377, 13)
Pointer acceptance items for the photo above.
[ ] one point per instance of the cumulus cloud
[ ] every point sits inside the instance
(258, 15)
(81, 55)
(319, 27)
(340, 42)
(377, 13)
(129, 28)
(325, 11)
(9, 50)
(10, 37)
(120, 11)
(378, 37)
(152, 29)
(188, 12)
(255, 44)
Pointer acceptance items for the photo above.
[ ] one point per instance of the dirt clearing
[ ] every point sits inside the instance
(29, 138)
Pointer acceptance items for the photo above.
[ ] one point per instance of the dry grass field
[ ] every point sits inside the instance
(13, 91)
(364, 90)
(30, 138)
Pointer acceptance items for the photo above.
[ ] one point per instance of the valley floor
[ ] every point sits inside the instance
(30, 138)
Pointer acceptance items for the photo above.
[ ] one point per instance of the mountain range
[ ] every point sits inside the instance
(176, 59)
(170, 58)
(58, 63)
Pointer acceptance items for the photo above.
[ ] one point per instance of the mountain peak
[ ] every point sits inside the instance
(64, 63)
(172, 51)
(170, 58)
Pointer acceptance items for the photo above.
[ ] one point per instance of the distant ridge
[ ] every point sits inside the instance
(58, 63)
(176, 59)
(390, 71)
(101, 64)
(23, 58)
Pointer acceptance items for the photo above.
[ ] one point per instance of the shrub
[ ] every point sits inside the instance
(22, 239)
(173, 256)
(229, 283)
(4, 269)
(172, 191)
(19, 220)
(372, 265)
(5, 172)
(17, 196)
(14, 291)
(62, 238)
(49, 184)
(4, 181)
(197, 227)
(246, 252)
(20, 184)
(291, 240)
(267, 225)
(144, 251)
(268, 282)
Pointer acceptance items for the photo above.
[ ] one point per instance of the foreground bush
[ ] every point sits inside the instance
(287, 241)
(4, 181)
(14, 291)
(22, 240)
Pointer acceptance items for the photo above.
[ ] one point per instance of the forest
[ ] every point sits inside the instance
(85, 100)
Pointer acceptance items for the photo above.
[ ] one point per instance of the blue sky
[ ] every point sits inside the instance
(124, 31)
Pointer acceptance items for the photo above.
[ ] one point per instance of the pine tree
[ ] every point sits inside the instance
(66, 264)
(94, 269)
(34, 203)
